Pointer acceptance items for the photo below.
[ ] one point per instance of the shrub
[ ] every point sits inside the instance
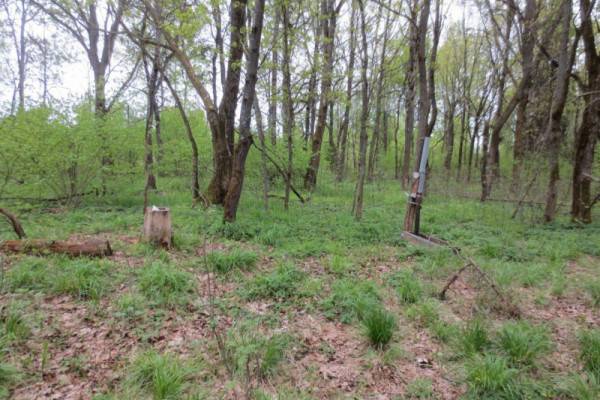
(589, 351)
(379, 326)
(349, 299)
(523, 343)
(282, 283)
(165, 285)
(236, 259)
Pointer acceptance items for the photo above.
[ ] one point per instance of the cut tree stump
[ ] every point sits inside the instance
(89, 248)
(157, 226)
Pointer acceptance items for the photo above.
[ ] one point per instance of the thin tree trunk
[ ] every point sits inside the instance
(341, 167)
(288, 106)
(359, 193)
(328, 28)
(263, 156)
(273, 91)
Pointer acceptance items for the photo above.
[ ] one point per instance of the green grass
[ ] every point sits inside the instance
(9, 376)
(474, 337)
(164, 284)
(580, 387)
(379, 326)
(523, 343)
(589, 351)
(490, 377)
(13, 325)
(160, 376)
(593, 290)
(234, 260)
(349, 298)
(83, 279)
(280, 284)
(408, 286)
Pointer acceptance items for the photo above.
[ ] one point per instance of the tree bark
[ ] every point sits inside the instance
(410, 79)
(341, 161)
(589, 130)
(242, 148)
(328, 28)
(90, 248)
(288, 105)
(362, 157)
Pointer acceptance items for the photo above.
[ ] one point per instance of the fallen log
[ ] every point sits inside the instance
(88, 248)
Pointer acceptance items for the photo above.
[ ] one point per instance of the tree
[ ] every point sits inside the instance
(328, 26)
(357, 207)
(589, 128)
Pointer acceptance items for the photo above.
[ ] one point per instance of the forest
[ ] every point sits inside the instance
(309, 199)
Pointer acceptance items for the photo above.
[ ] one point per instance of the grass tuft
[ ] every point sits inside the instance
(282, 283)
(490, 377)
(164, 284)
(589, 351)
(379, 327)
(235, 260)
(408, 287)
(160, 376)
(474, 337)
(85, 279)
(593, 289)
(522, 342)
(349, 299)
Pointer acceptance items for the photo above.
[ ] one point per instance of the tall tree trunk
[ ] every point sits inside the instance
(263, 156)
(376, 137)
(341, 167)
(196, 194)
(328, 27)
(236, 181)
(527, 50)
(223, 133)
(273, 91)
(589, 130)
(288, 105)
(357, 208)
(553, 129)
(410, 79)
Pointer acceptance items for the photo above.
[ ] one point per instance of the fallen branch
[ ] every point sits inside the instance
(89, 248)
(281, 172)
(470, 264)
(16, 225)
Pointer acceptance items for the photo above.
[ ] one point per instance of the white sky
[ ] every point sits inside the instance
(76, 79)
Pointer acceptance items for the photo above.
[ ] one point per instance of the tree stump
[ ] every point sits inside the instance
(157, 227)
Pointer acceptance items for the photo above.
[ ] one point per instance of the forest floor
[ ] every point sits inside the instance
(283, 304)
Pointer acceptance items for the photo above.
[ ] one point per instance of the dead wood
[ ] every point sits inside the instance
(14, 221)
(512, 308)
(89, 248)
(281, 172)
